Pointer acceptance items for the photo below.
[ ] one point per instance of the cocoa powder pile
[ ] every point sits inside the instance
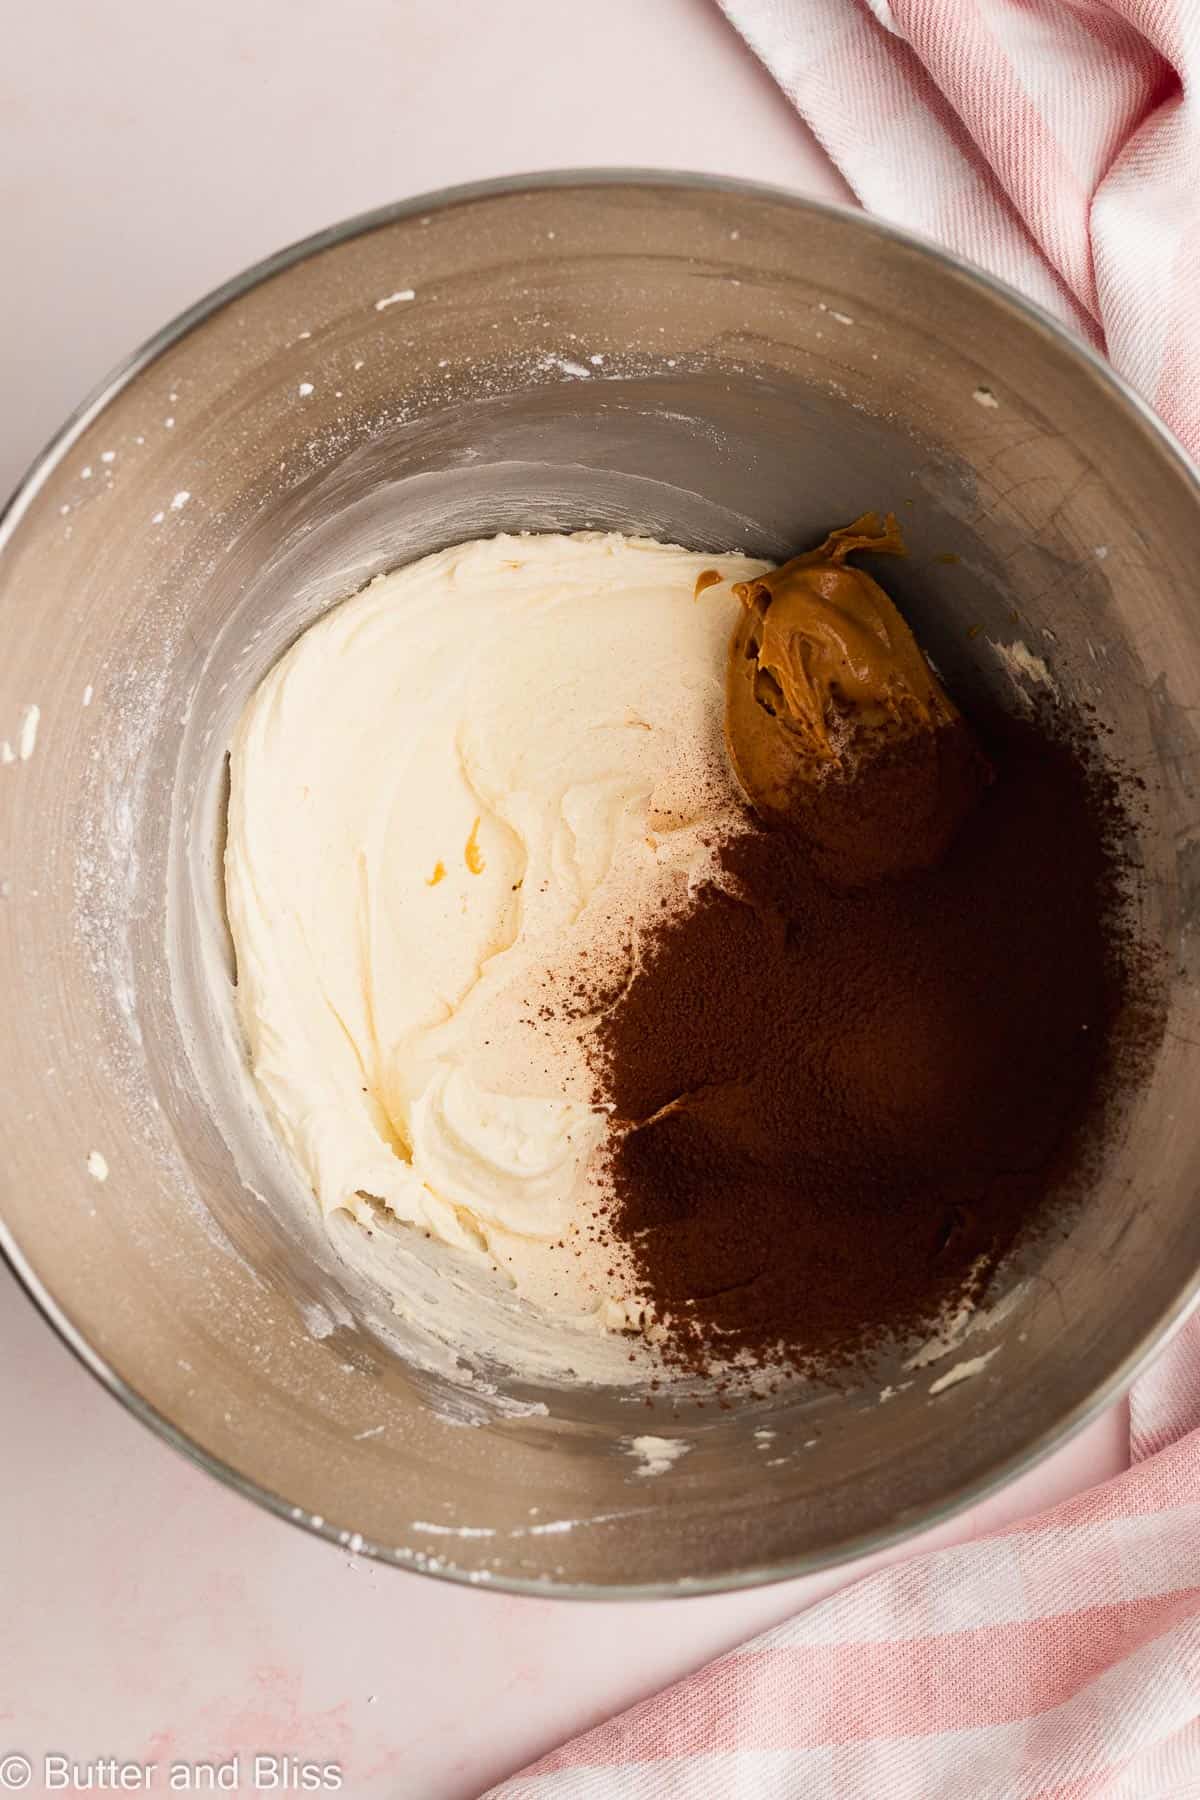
(833, 1101)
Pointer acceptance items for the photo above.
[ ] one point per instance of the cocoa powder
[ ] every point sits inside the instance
(837, 1106)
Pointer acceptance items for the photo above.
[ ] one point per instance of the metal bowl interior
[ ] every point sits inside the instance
(706, 362)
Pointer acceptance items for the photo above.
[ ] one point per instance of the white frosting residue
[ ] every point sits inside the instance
(27, 732)
(27, 736)
(1022, 666)
(963, 1371)
(657, 1454)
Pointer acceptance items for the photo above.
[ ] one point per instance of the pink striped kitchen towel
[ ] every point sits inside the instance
(1056, 143)
(1056, 1660)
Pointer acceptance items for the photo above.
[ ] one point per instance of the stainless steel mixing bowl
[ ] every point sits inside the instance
(698, 360)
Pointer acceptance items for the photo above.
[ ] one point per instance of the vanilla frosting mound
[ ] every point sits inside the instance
(473, 778)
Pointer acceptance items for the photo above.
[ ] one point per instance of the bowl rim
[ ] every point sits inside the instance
(836, 1554)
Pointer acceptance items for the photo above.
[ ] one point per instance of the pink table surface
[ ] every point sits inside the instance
(146, 153)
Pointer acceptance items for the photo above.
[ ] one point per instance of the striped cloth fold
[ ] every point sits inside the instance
(1057, 145)
(1056, 1660)
(1054, 142)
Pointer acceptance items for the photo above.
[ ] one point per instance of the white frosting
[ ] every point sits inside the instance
(474, 777)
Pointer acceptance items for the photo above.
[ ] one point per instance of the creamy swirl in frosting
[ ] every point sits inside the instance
(472, 778)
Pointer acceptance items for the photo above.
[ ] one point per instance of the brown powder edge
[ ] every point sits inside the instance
(695, 1346)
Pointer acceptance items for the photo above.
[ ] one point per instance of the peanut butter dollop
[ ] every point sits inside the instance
(834, 721)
